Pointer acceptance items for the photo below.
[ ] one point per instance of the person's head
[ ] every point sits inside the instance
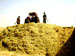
(44, 12)
(28, 17)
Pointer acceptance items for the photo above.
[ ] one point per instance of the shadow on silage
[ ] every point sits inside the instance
(68, 49)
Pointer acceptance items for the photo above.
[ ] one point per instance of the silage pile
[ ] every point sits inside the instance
(1, 28)
(34, 39)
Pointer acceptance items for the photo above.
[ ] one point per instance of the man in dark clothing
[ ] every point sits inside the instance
(36, 20)
(18, 20)
(27, 20)
(44, 18)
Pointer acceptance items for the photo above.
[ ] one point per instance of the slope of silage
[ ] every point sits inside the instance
(2, 28)
(35, 38)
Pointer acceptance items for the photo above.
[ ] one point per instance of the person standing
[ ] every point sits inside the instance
(18, 20)
(44, 18)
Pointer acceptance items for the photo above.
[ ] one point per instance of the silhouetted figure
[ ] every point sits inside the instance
(44, 18)
(27, 20)
(36, 19)
(18, 20)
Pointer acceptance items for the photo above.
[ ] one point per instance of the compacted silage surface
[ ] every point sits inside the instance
(34, 39)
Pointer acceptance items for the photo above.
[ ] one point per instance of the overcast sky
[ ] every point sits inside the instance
(59, 12)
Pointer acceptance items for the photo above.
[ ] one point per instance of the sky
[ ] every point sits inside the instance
(59, 12)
